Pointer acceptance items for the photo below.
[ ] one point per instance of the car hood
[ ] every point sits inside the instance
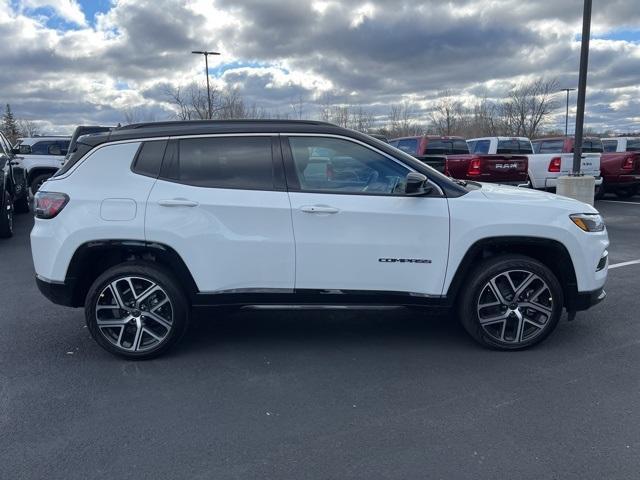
(508, 194)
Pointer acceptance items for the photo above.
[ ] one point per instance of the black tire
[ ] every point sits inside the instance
(600, 191)
(21, 205)
(6, 217)
(144, 271)
(477, 285)
(38, 181)
(627, 192)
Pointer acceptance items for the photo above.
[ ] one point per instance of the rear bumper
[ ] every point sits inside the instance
(60, 293)
(586, 300)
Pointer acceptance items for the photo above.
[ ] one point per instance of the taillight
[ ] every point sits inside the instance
(628, 163)
(49, 204)
(554, 165)
(474, 167)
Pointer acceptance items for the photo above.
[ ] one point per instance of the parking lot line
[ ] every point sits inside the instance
(624, 264)
(620, 201)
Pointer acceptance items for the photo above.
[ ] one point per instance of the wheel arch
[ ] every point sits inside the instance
(91, 259)
(552, 253)
(34, 172)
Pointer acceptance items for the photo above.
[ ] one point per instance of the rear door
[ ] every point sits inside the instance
(221, 203)
(356, 230)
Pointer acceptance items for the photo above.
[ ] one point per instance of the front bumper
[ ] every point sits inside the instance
(60, 293)
(586, 300)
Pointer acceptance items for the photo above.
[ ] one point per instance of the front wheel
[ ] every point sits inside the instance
(512, 302)
(136, 310)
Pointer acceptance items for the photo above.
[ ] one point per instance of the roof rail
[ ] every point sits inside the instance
(184, 123)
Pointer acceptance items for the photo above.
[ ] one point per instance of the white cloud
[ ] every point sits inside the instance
(69, 10)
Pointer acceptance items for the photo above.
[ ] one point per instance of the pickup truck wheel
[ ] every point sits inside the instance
(512, 302)
(37, 182)
(600, 191)
(627, 192)
(136, 310)
(6, 217)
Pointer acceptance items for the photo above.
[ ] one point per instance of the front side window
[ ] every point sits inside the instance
(551, 146)
(610, 145)
(408, 145)
(344, 167)
(221, 162)
(40, 148)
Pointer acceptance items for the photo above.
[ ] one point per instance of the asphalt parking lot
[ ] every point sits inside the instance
(322, 395)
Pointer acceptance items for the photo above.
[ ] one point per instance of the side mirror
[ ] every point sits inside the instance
(416, 184)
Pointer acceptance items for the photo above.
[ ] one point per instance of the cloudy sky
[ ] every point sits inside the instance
(69, 62)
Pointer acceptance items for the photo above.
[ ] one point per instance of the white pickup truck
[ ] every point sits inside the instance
(40, 157)
(549, 158)
(553, 157)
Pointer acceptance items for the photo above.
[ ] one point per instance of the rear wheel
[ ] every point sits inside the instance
(600, 191)
(512, 302)
(6, 217)
(37, 182)
(136, 310)
(627, 192)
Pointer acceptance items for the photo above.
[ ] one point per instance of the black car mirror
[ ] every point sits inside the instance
(416, 184)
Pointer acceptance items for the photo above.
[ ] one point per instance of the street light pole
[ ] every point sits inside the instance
(206, 71)
(566, 118)
(582, 86)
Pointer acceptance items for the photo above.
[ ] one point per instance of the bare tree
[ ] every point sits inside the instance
(402, 122)
(137, 115)
(28, 128)
(298, 108)
(448, 116)
(528, 107)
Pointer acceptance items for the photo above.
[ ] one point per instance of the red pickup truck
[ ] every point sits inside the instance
(620, 166)
(451, 156)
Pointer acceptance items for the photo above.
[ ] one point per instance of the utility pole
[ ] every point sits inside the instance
(206, 71)
(582, 86)
(578, 186)
(566, 117)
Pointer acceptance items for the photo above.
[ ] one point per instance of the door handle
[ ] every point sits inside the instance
(177, 202)
(319, 209)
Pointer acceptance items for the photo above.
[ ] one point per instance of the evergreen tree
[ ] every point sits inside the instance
(9, 125)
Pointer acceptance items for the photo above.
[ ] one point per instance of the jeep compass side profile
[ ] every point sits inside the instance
(150, 221)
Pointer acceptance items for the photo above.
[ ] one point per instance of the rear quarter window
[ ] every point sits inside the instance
(149, 158)
(481, 147)
(610, 145)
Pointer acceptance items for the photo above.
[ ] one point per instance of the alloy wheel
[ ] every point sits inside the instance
(134, 314)
(515, 306)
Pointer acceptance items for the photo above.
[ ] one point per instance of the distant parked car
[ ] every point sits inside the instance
(83, 130)
(41, 157)
(553, 158)
(13, 190)
(620, 166)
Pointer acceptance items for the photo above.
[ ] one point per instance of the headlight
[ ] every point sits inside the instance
(589, 222)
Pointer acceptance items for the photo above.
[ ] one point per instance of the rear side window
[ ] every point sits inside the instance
(514, 146)
(551, 146)
(610, 145)
(408, 145)
(149, 158)
(221, 162)
(481, 146)
(633, 145)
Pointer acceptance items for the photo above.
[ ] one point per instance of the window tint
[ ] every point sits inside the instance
(408, 145)
(346, 167)
(39, 148)
(226, 162)
(551, 146)
(610, 145)
(633, 145)
(514, 146)
(149, 158)
(481, 146)
(460, 146)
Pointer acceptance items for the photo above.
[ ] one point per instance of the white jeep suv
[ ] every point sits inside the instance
(149, 222)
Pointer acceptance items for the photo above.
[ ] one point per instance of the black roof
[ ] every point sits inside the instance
(203, 127)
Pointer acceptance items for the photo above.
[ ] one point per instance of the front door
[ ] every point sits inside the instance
(355, 228)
